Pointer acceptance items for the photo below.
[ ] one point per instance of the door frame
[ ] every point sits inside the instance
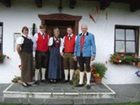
(61, 17)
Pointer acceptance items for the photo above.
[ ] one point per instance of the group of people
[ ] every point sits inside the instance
(56, 58)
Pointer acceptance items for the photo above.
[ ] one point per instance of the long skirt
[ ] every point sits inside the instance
(55, 68)
(26, 66)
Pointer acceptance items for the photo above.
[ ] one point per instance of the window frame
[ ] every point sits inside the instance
(125, 27)
(1, 25)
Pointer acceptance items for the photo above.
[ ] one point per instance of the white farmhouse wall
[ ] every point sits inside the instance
(24, 12)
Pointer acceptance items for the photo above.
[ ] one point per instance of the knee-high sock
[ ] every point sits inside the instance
(71, 73)
(88, 77)
(81, 77)
(37, 76)
(43, 71)
(66, 72)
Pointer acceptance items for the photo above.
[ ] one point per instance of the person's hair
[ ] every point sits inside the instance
(42, 26)
(56, 29)
(24, 28)
(69, 27)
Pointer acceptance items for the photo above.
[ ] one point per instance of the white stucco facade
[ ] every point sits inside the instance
(24, 12)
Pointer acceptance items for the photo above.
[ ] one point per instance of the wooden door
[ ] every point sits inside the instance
(62, 21)
(62, 25)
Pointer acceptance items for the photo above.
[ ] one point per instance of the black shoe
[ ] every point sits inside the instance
(53, 81)
(43, 81)
(36, 82)
(66, 81)
(88, 86)
(80, 85)
(28, 84)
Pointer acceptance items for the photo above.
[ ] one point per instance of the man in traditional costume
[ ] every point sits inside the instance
(69, 63)
(41, 55)
(85, 52)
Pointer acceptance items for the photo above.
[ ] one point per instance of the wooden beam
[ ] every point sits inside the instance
(72, 3)
(134, 5)
(7, 3)
(104, 4)
(39, 3)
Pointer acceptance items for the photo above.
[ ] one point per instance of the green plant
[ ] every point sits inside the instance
(2, 57)
(129, 59)
(116, 58)
(123, 59)
(100, 69)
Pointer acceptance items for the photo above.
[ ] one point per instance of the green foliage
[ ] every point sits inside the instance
(100, 69)
(76, 78)
(2, 57)
(129, 59)
(123, 59)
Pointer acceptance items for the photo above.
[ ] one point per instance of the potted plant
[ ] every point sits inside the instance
(98, 72)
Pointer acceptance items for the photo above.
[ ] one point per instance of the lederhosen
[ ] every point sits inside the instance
(83, 60)
(26, 60)
(69, 44)
(41, 57)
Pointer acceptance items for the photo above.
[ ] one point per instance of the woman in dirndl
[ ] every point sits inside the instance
(55, 63)
(25, 51)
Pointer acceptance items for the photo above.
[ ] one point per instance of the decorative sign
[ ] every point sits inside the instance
(16, 35)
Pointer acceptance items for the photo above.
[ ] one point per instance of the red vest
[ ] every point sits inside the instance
(42, 43)
(69, 44)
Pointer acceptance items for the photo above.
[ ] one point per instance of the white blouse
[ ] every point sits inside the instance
(61, 44)
(20, 40)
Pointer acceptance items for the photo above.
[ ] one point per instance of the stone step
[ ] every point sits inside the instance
(33, 101)
(59, 91)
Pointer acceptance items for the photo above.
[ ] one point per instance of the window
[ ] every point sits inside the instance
(126, 39)
(1, 37)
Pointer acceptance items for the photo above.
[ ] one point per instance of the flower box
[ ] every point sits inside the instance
(124, 59)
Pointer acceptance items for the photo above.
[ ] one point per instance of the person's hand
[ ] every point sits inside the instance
(92, 58)
(75, 58)
(62, 54)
